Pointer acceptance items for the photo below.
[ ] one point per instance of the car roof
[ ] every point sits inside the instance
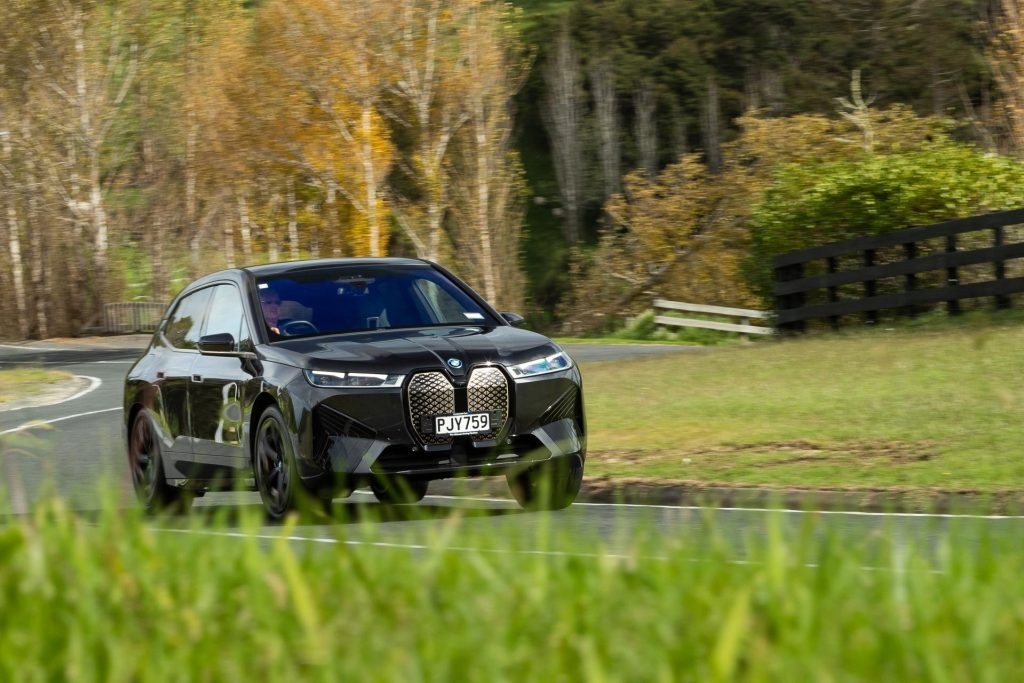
(272, 269)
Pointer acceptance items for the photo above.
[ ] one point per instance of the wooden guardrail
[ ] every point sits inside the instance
(744, 314)
(132, 316)
(930, 254)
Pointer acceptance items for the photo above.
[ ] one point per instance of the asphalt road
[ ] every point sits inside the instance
(80, 449)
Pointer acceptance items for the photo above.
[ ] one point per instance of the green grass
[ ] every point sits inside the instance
(24, 383)
(908, 408)
(119, 598)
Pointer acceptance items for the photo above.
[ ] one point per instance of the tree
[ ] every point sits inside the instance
(429, 64)
(562, 110)
(487, 218)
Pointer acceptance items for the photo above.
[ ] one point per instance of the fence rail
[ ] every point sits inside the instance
(744, 314)
(132, 316)
(793, 287)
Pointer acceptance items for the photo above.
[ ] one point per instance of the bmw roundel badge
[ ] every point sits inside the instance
(455, 363)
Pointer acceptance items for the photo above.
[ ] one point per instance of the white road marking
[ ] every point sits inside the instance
(742, 509)
(64, 362)
(38, 423)
(30, 348)
(384, 544)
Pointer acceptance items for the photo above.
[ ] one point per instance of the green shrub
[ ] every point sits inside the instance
(814, 204)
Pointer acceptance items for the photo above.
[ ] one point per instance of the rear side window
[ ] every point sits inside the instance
(183, 327)
(226, 315)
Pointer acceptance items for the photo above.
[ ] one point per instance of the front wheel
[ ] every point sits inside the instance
(147, 468)
(549, 486)
(274, 464)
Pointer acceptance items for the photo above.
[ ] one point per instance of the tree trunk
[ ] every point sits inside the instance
(14, 248)
(561, 110)
(17, 267)
(606, 111)
(711, 120)
(645, 128)
(244, 226)
(293, 223)
(483, 189)
(369, 178)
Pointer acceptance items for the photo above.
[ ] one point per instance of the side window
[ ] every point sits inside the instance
(226, 315)
(184, 326)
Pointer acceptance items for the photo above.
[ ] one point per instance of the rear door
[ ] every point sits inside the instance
(176, 357)
(217, 390)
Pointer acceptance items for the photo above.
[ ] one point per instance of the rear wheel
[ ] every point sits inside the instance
(274, 464)
(147, 468)
(399, 490)
(549, 486)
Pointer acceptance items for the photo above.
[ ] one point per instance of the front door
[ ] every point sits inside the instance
(178, 355)
(217, 391)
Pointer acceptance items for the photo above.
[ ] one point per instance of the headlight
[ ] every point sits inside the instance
(553, 363)
(324, 378)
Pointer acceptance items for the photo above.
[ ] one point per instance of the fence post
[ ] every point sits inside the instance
(833, 292)
(1002, 301)
(910, 279)
(952, 277)
(870, 287)
(790, 301)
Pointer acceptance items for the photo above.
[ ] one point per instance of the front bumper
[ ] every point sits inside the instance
(346, 436)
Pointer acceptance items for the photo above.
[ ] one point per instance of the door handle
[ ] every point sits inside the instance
(197, 378)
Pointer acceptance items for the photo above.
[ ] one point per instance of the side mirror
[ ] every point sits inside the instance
(514, 319)
(217, 344)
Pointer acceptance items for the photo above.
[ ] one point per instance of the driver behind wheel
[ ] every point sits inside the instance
(270, 301)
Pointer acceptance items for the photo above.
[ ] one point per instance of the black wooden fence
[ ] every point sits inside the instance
(904, 270)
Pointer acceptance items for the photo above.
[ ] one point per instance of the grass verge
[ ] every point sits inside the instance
(119, 598)
(906, 408)
(23, 383)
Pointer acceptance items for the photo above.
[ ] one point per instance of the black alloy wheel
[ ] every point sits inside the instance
(147, 468)
(548, 486)
(399, 490)
(276, 475)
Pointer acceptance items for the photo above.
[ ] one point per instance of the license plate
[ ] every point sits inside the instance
(467, 423)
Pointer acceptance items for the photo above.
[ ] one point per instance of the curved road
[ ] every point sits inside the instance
(79, 449)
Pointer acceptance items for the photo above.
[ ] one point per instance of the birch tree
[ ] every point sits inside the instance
(488, 215)
(1006, 56)
(645, 128)
(606, 116)
(562, 110)
(328, 58)
(428, 62)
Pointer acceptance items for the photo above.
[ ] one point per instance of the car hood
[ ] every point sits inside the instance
(404, 351)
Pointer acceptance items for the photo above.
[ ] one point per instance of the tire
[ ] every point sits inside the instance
(550, 486)
(274, 465)
(399, 490)
(147, 469)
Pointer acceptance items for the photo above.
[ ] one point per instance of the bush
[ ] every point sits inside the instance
(813, 204)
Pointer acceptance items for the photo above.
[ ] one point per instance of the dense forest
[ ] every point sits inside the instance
(568, 158)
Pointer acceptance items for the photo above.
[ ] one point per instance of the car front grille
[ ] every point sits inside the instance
(488, 393)
(430, 394)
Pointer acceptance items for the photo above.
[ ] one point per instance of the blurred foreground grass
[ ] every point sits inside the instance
(25, 382)
(940, 408)
(115, 597)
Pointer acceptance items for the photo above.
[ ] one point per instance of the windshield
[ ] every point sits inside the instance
(358, 298)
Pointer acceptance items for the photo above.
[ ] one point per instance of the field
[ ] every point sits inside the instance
(908, 408)
(117, 598)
